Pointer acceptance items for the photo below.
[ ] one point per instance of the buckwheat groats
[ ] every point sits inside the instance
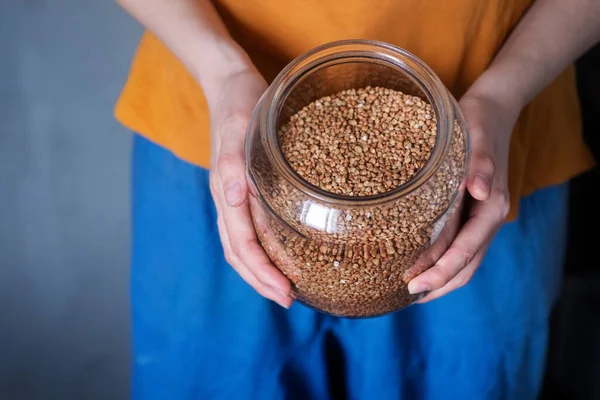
(352, 241)
(360, 142)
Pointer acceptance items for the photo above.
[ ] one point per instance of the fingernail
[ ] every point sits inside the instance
(284, 306)
(287, 296)
(233, 193)
(482, 185)
(283, 302)
(276, 286)
(417, 287)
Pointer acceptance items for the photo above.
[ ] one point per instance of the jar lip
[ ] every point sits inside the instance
(394, 57)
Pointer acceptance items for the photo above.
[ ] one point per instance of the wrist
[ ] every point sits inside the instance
(500, 87)
(215, 62)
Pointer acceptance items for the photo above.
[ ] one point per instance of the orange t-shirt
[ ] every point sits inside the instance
(457, 39)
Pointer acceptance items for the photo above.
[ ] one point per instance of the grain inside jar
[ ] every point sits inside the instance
(360, 142)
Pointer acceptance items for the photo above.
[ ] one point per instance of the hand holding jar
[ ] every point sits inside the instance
(230, 114)
(490, 124)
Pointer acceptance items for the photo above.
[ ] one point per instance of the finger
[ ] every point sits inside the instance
(246, 274)
(460, 280)
(230, 163)
(472, 238)
(244, 245)
(482, 166)
(233, 260)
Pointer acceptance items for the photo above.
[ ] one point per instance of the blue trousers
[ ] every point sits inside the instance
(199, 332)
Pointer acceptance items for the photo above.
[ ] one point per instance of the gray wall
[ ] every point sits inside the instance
(64, 193)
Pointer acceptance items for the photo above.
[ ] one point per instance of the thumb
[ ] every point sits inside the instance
(482, 166)
(231, 159)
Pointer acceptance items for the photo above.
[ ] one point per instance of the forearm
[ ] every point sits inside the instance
(194, 32)
(550, 37)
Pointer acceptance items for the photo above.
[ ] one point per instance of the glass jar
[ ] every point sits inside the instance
(348, 255)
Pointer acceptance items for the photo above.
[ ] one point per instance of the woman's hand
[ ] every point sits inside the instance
(490, 124)
(549, 37)
(229, 120)
(194, 32)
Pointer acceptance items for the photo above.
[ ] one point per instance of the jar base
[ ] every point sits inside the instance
(307, 304)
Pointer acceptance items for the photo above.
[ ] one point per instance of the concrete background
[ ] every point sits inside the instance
(64, 200)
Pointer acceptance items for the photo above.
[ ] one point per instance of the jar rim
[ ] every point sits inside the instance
(387, 54)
